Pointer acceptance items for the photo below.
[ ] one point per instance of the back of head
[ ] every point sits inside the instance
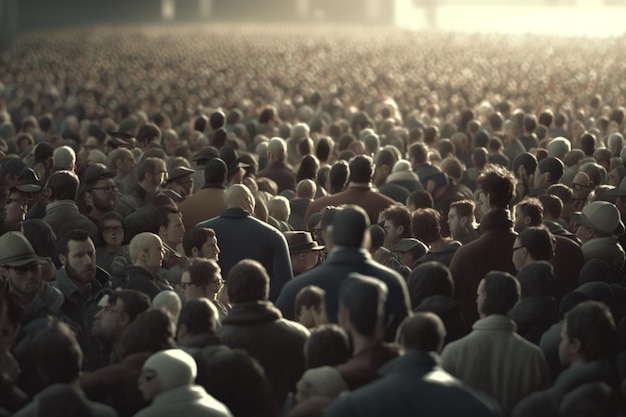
(502, 292)
(64, 158)
(526, 160)
(277, 147)
(63, 186)
(361, 169)
(199, 316)
(592, 323)
(247, 282)
(363, 298)
(427, 279)
(559, 147)
(553, 166)
(423, 332)
(537, 280)
(173, 368)
(57, 355)
(151, 331)
(426, 225)
(215, 171)
(135, 302)
(168, 301)
(328, 345)
(349, 226)
(539, 242)
(499, 184)
(237, 194)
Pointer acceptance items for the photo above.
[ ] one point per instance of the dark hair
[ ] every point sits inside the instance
(546, 118)
(135, 302)
(422, 331)
(148, 132)
(217, 119)
(327, 345)
(364, 298)
(79, 235)
(425, 225)
(361, 168)
(309, 296)
(539, 242)
(201, 270)
(112, 215)
(552, 205)
(247, 282)
(420, 199)
(323, 148)
(427, 279)
(499, 184)
(562, 191)
(419, 152)
(464, 208)
(338, 176)
(309, 166)
(532, 208)
(161, 217)
(199, 315)
(530, 123)
(399, 216)
(199, 125)
(41, 237)
(502, 293)
(63, 185)
(195, 238)
(151, 331)
(592, 323)
(57, 354)
(349, 226)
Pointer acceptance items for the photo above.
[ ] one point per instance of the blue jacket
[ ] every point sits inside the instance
(414, 385)
(241, 236)
(329, 275)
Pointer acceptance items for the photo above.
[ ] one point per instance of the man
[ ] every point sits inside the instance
(167, 223)
(148, 135)
(115, 312)
(493, 249)
(197, 324)
(384, 161)
(549, 171)
(426, 227)
(81, 281)
(62, 212)
(599, 227)
(304, 251)
(581, 187)
(254, 324)
(461, 221)
(179, 183)
(243, 236)
(15, 209)
(418, 156)
(397, 225)
(146, 252)
(493, 358)
(201, 242)
(589, 343)
(532, 245)
(277, 168)
(151, 174)
(202, 278)
(99, 191)
(122, 162)
(207, 202)
(414, 383)
(359, 192)
(349, 233)
(305, 193)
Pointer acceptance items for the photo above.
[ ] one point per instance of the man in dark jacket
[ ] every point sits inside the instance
(349, 233)
(254, 324)
(146, 252)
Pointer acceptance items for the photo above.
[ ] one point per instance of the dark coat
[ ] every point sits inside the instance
(568, 260)
(277, 344)
(63, 216)
(414, 385)
(493, 250)
(142, 280)
(241, 236)
(331, 273)
(282, 174)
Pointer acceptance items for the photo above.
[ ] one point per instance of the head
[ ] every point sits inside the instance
(201, 242)
(461, 218)
(247, 282)
(197, 317)
(361, 169)
(57, 355)
(279, 208)
(167, 223)
(239, 196)
(497, 293)
(64, 158)
(419, 199)
(201, 278)
(428, 279)
(116, 310)
(588, 334)
(498, 186)
(532, 245)
(397, 224)
(528, 213)
(361, 305)
(112, 229)
(121, 161)
(166, 370)
(349, 227)
(310, 309)
(304, 251)
(151, 173)
(146, 250)
(423, 332)
(20, 266)
(598, 219)
(426, 226)
(63, 185)
(77, 254)
(43, 240)
(327, 345)
(549, 171)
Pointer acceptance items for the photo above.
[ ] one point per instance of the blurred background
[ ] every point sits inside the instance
(568, 17)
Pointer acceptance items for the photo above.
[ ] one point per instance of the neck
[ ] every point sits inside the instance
(147, 185)
(361, 343)
(439, 244)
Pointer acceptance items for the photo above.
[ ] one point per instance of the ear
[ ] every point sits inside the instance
(124, 319)
(46, 193)
(575, 346)
(88, 198)
(62, 258)
(4, 272)
(400, 230)
(162, 229)
(195, 252)
(527, 220)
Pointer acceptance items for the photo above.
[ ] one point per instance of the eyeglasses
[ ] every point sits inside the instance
(24, 269)
(218, 281)
(185, 285)
(579, 186)
(112, 229)
(106, 189)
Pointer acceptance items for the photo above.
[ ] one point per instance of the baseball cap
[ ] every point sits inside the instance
(601, 216)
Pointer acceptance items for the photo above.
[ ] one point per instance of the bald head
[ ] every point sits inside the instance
(306, 189)
(239, 196)
(277, 149)
(422, 331)
(141, 242)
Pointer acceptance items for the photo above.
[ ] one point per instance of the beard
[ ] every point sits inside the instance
(75, 275)
(102, 204)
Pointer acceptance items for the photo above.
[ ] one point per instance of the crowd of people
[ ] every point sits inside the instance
(294, 221)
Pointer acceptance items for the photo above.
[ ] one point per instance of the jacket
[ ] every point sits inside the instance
(241, 236)
(202, 205)
(493, 250)
(63, 216)
(142, 280)
(414, 385)
(280, 172)
(277, 344)
(493, 358)
(188, 401)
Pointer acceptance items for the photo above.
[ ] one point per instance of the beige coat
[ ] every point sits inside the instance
(203, 205)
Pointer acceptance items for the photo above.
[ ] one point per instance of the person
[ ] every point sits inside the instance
(461, 221)
(493, 249)
(426, 227)
(310, 309)
(549, 171)
(254, 324)
(197, 324)
(589, 343)
(58, 358)
(62, 212)
(533, 244)
(234, 227)
(167, 223)
(359, 192)
(384, 161)
(349, 233)
(81, 282)
(43, 240)
(407, 251)
(482, 359)
(151, 174)
(414, 384)
(397, 224)
(121, 161)
(306, 190)
(146, 252)
(112, 235)
(201, 278)
(304, 251)
(179, 183)
(167, 378)
(99, 191)
(208, 202)
(278, 169)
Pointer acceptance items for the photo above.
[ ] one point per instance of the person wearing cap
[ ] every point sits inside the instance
(305, 252)
(200, 159)
(180, 182)
(549, 171)
(277, 168)
(99, 191)
(599, 227)
(167, 378)
(582, 187)
(209, 201)
(151, 174)
(408, 251)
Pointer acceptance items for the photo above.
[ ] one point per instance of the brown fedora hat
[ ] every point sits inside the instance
(301, 242)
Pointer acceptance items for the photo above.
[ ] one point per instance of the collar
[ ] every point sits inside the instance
(367, 185)
(218, 185)
(235, 213)
(62, 204)
(496, 322)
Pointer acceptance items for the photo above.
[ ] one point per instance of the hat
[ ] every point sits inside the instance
(601, 216)
(16, 250)
(208, 152)
(30, 181)
(179, 172)
(122, 139)
(96, 172)
(440, 178)
(406, 244)
(619, 191)
(174, 368)
(301, 242)
(231, 157)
